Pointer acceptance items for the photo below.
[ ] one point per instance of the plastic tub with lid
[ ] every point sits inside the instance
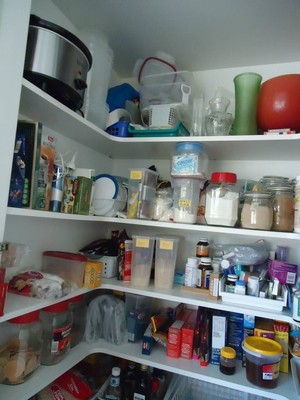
(263, 357)
(189, 159)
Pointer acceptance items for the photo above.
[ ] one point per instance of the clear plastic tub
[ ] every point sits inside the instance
(186, 198)
(165, 261)
(141, 193)
(189, 159)
(142, 256)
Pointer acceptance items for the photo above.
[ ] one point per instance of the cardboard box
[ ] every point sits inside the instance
(284, 272)
(218, 337)
(235, 332)
(92, 274)
(281, 330)
(147, 341)
(249, 323)
(175, 334)
(264, 328)
(187, 337)
(82, 189)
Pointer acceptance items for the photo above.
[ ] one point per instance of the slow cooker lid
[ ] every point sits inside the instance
(41, 23)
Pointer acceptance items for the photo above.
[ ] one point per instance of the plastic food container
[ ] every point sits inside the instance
(222, 199)
(142, 256)
(57, 325)
(186, 198)
(189, 159)
(165, 261)
(78, 308)
(262, 361)
(69, 266)
(21, 343)
(141, 193)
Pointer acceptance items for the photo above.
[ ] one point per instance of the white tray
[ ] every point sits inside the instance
(250, 301)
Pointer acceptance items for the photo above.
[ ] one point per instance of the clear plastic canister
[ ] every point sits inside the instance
(57, 324)
(189, 159)
(186, 196)
(21, 343)
(283, 208)
(222, 199)
(78, 308)
(257, 211)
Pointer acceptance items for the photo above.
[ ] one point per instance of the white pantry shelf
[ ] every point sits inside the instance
(39, 106)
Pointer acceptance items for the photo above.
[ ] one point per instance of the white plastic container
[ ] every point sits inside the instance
(110, 195)
(186, 198)
(142, 257)
(190, 273)
(222, 200)
(165, 261)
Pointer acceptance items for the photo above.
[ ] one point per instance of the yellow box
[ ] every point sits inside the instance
(281, 330)
(92, 274)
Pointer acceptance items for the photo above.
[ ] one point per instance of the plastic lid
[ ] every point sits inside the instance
(26, 319)
(228, 177)
(80, 297)
(232, 277)
(65, 255)
(193, 261)
(228, 352)
(205, 259)
(59, 307)
(106, 187)
(116, 371)
(191, 147)
(262, 346)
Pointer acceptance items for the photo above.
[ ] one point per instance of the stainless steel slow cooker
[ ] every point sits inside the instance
(57, 62)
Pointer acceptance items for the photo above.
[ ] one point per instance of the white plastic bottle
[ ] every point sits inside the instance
(190, 274)
(113, 391)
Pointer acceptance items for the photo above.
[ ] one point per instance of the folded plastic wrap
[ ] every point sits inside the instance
(106, 319)
(245, 254)
(37, 284)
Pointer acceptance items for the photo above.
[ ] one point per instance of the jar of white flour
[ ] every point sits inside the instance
(222, 199)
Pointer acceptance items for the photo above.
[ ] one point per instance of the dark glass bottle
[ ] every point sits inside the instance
(143, 389)
(129, 381)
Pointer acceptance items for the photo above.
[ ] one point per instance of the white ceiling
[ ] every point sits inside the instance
(200, 34)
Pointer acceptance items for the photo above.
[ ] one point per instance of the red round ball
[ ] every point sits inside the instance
(279, 103)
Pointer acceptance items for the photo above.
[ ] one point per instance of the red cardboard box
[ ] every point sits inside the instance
(175, 334)
(187, 336)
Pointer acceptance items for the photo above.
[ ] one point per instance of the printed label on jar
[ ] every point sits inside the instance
(270, 372)
(61, 339)
(186, 164)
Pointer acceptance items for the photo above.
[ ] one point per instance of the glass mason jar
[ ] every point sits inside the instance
(257, 211)
(21, 343)
(283, 208)
(269, 181)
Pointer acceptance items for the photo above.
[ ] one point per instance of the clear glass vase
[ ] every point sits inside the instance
(247, 86)
(218, 122)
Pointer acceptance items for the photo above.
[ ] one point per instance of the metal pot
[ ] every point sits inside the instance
(57, 62)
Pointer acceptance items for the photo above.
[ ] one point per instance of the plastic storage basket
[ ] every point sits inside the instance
(184, 388)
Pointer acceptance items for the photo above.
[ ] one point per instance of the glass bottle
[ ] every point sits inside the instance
(257, 211)
(113, 391)
(129, 381)
(218, 122)
(143, 389)
(227, 360)
(247, 86)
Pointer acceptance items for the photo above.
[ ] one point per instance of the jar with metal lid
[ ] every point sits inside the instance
(283, 208)
(222, 199)
(257, 211)
(202, 249)
(21, 343)
(189, 159)
(230, 283)
(78, 308)
(268, 181)
(227, 360)
(57, 324)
